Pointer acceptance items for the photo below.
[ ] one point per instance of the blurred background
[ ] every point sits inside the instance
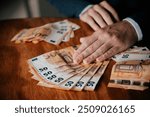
(10, 9)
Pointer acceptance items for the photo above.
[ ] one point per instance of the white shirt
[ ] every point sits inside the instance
(128, 19)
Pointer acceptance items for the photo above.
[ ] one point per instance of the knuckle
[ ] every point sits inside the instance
(103, 24)
(117, 39)
(87, 52)
(82, 39)
(81, 48)
(85, 17)
(96, 7)
(90, 11)
(84, 54)
(98, 43)
(102, 51)
(92, 57)
(86, 43)
(111, 51)
(103, 2)
(87, 60)
(91, 48)
(100, 31)
(90, 22)
(82, 17)
(105, 35)
(96, 54)
(105, 56)
(107, 14)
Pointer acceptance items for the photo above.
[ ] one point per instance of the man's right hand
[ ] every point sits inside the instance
(100, 15)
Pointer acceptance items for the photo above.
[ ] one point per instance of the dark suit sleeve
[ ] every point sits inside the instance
(142, 19)
(135, 9)
(70, 8)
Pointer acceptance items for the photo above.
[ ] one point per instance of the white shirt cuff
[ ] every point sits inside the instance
(136, 27)
(85, 9)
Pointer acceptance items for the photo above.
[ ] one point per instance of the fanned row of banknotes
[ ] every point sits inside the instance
(53, 33)
(56, 69)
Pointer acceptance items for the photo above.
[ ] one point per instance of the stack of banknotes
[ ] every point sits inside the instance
(56, 69)
(132, 69)
(53, 33)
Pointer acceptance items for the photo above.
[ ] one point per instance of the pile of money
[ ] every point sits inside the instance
(134, 53)
(56, 69)
(53, 33)
(132, 70)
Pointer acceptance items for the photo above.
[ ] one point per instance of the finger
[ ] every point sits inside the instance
(90, 21)
(97, 18)
(100, 51)
(82, 39)
(112, 51)
(110, 9)
(89, 40)
(78, 57)
(91, 49)
(92, 24)
(105, 15)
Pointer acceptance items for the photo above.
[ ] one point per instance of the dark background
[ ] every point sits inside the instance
(10, 9)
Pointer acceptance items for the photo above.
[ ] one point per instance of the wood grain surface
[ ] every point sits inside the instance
(16, 82)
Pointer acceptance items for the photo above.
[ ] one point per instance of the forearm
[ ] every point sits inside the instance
(70, 8)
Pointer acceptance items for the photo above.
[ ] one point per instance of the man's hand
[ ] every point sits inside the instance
(106, 42)
(100, 15)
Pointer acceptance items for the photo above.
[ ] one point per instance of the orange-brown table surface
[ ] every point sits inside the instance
(16, 82)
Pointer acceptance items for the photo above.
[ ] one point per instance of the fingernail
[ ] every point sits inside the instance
(86, 61)
(99, 59)
(81, 39)
(77, 60)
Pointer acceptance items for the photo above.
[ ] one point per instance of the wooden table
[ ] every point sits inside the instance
(16, 82)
